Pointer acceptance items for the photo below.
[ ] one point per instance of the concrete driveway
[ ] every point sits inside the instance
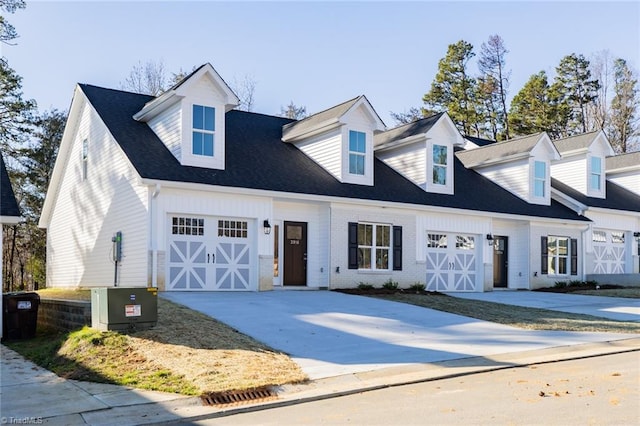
(331, 334)
(615, 308)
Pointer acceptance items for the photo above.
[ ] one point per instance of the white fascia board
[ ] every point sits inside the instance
(11, 220)
(555, 154)
(70, 130)
(293, 196)
(460, 140)
(569, 202)
(325, 126)
(630, 168)
(157, 105)
(374, 114)
(402, 142)
(612, 211)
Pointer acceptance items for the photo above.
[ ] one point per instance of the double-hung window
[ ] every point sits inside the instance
(558, 252)
(439, 164)
(374, 244)
(203, 130)
(596, 174)
(357, 152)
(539, 178)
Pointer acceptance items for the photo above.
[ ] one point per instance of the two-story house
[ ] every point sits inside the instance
(204, 197)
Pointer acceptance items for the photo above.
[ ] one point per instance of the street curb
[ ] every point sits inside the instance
(350, 384)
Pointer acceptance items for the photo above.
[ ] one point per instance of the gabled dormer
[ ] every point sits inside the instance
(422, 151)
(624, 170)
(582, 164)
(189, 118)
(340, 139)
(521, 165)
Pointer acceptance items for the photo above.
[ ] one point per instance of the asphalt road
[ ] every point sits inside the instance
(603, 390)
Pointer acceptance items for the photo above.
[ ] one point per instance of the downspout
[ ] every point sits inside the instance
(152, 232)
(588, 229)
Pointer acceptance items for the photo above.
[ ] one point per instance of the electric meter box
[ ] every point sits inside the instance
(124, 308)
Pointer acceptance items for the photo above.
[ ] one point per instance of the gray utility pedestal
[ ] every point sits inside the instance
(124, 308)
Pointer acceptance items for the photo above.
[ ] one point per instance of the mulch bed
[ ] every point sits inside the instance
(571, 289)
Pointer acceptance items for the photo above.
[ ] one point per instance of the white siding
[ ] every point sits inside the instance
(168, 128)
(514, 177)
(88, 213)
(409, 160)
(317, 218)
(341, 215)
(630, 181)
(572, 172)
(518, 251)
(538, 230)
(326, 150)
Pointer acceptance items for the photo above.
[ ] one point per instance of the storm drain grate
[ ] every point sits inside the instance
(238, 397)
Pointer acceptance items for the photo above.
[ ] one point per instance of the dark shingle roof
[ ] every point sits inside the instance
(257, 158)
(8, 203)
(618, 198)
(406, 130)
(308, 123)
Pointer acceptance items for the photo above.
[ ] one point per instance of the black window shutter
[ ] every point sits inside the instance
(574, 256)
(353, 245)
(397, 248)
(544, 256)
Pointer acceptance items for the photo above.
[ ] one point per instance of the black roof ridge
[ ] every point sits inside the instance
(263, 114)
(115, 90)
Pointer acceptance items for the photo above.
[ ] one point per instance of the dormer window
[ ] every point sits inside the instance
(595, 179)
(440, 163)
(203, 130)
(539, 178)
(357, 152)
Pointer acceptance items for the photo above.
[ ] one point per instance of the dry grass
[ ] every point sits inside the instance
(629, 292)
(516, 316)
(186, 352)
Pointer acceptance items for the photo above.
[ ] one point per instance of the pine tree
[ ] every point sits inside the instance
(293, 111)
(625, 126)
(7, 31)
(576, 89)
(453, 89)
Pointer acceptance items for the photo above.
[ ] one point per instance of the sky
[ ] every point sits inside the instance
(316, 54)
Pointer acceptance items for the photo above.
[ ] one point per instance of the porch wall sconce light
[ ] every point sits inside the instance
(490, 239)
(267, 227)
(636, 235)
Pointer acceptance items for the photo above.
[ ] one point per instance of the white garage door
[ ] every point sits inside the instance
(451, 262)
(609, 251)
(207, 253)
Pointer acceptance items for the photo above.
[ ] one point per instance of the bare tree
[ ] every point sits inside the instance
(625, 120)
(245, 90)
(293, 111)
(414, 114)
(492, 64)
(149, 78)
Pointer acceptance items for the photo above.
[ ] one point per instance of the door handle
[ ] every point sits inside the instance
(208, 258)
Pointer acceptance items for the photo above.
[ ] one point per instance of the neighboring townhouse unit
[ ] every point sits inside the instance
(209, 198)
(9, 215)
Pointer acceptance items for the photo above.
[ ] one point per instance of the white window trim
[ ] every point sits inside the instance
(544, 180)
(435, 187)
(188, 158)
(204, 131)
(591, 191)
(374, 248)
(357, 153)
(558, 256)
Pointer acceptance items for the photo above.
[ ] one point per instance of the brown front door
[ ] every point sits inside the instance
(500, 261)
(295, 253)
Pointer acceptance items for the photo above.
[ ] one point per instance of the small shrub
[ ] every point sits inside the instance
(365, 286)
(390, 285)
(576, 283)
(592, 283)
(417, 287)
(560, 284)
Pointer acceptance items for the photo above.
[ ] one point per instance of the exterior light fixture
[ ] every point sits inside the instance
(267, 227)
(490, 239)
(637, 235)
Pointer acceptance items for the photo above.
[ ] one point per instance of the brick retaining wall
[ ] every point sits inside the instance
(64, 315)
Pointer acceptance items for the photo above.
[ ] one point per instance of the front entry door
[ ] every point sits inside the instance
(500, 261)
(295, 253)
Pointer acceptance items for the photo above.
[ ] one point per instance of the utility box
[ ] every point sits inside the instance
(124, 308)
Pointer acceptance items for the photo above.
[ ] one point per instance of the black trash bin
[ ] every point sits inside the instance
(19, 315)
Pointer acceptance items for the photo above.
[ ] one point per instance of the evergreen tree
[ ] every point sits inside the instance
(16, 114)
(490, 108)
(495, 85)
(7, 31)
(625, 126)
(453, 89)
(576, 89)
(537, 108)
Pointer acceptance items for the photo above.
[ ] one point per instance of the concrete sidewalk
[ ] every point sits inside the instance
(349, 344)
(31, 394)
